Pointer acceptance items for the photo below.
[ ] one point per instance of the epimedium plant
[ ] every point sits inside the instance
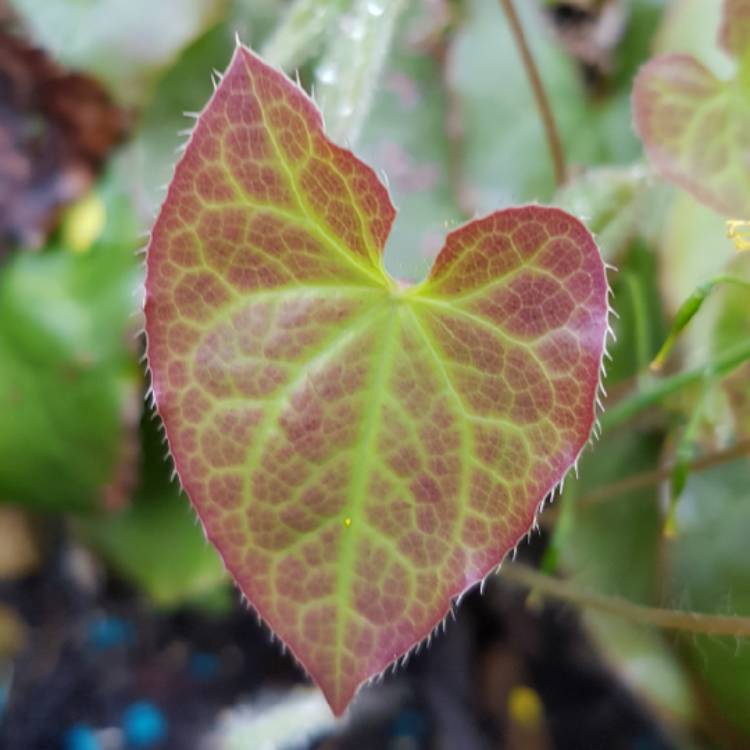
(628, 541)
(359, 451)
(696, 127)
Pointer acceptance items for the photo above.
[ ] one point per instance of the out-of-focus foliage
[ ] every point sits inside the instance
(70, 384)
(694, 125)
(492, 89)
(125, 44)
(185, 569)
(713, 517)
(454, 127)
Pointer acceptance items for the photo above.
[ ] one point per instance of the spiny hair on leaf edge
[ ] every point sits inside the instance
(455, 600)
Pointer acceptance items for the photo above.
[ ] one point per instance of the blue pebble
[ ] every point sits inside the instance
(144, 725)
(203, 665)
(108, 632)
(80, 737)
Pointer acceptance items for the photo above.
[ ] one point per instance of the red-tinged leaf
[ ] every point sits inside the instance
(695, 127)
(360, 453)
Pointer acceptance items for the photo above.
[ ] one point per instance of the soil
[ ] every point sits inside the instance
(93, 649)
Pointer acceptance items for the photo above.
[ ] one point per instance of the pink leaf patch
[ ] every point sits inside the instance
(695, 127)
(360, 453)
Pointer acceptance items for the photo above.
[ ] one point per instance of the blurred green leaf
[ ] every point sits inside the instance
(187, 568)
(639, 326)
(122, 43)
(708, 572)
(612, 547)
(506, 154)
(70, 385)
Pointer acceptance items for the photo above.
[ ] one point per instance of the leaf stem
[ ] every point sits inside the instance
(669, 619)
(540, 96)
(630, 406)
(350, 69)
(654, 476)
(302, 31)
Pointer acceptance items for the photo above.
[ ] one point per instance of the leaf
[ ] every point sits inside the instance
(359, 451)
(506, 158)
(70, 385)
(122, 43)
(696, 127)
(713, 577)
(132, 540)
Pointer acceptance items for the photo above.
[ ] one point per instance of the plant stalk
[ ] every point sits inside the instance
(654, 476)
(540, 95)
(669, 619)
(630, 406)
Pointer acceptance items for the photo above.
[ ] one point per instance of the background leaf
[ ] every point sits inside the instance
(70, 386)
(695, 126)
(132, 539)
(126, 52)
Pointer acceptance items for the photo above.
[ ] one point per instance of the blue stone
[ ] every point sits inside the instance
(80, 737)
(108, 632)
(144, 725)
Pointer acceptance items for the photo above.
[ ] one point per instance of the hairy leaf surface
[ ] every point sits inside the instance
(696, 127)
(360, 452)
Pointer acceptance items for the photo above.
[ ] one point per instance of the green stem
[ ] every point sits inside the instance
(302, 31)
(638, 402)
(654, 476)
(684, 454)
(688, 309)
(640, 319)
(670, 619)
(350, 69)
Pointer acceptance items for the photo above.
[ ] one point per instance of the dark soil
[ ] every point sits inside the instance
(94, 651)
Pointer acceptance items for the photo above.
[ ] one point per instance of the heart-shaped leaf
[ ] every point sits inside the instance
(359, 452)
(696, 127)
